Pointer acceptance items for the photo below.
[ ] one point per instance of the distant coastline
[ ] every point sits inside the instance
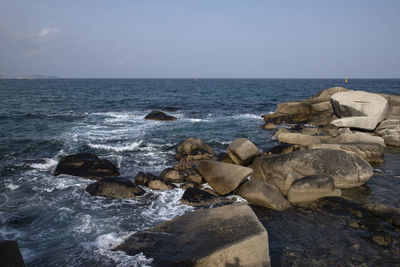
(27, 77)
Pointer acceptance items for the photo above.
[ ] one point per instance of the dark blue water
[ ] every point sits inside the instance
(56, 222)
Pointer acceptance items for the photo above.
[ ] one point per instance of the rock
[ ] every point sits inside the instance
(194, 149)
(262, 194)
(282, 148)
(294, 107)
(185, 164)
(310, 130)
(242, 151)
(270, 126)
(282, 170)
(311, 188)
(152, 181)
(159, 116)
(370, 152)
(226, 236)
(325, 95)
(224, 157)
(86, 165)
(172, 175)
(358, 109)
(389, 130)
(115, 187)
(223, 177)
(298, 139)
(356, 137)
(193, 176)
(185, 186)
(10, 255)
(199, 198)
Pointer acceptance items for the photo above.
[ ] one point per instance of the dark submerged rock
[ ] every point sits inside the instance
(86, 165)
(115, 187)
(152, 181)
(197, 197)
(225, 236)
(10, 255)
(159, 116)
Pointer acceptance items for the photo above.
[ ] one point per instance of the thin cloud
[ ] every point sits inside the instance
(46, 32)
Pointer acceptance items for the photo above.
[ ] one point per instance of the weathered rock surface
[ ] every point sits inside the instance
(194, 149)
(389, 130)
(316, 110)
(358, 109)
(115, 187)
(223, 177)
(370, 152)
(262, 194)
(282, 170)
(172, 175)
(285, 136)
(86, 165)
(311, 188)
(10, 255)
(152, 181)
(159, 116)
(242, 151)
(199, 198)
(356, 137)
(225, 236)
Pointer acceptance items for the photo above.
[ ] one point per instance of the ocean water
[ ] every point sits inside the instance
(57, 223)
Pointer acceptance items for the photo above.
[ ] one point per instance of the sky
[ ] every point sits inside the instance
(200, 38)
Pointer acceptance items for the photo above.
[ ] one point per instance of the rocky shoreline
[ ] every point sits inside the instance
(327, 144)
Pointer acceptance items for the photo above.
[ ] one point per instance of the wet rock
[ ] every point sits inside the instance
(282, 170)
(370, 152)
(225, 236)
(223, 177)
(270, 126)
(311, 188)
(194, 149)
(383, 240)
(282, 148)
(358, 109)
(86, 165)
(172, 175)
(193, 176)
(185, 186)
(10, 255)
(197, 197)
(242, 151)
(152, 181)
(159, 116)
(262, 194)
(115, 187)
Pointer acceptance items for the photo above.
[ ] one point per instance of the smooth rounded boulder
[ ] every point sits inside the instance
(159, 116)
(242, 151)
(282, 170)
(86, 165)
(358, 109)
(311, 188)
(262, 194)
(194, 149)
(115, 187)
(223, 177)
(230, 235)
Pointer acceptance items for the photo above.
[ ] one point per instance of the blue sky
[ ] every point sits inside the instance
(232, 39)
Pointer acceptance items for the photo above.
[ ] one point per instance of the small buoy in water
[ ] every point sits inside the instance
(196, 79)
(345, 80)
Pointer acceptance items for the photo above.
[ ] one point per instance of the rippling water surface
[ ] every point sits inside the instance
(57, 223)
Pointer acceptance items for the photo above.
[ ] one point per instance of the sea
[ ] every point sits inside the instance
(57, 223)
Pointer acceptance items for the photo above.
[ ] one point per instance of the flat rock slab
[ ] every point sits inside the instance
(358, 109)
(115, 187)
(281, 171)
(226, 236)
(223, 177)
(86, 165)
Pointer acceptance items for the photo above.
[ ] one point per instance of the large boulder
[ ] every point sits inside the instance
(356, 137)
(153, 182)
(311, 188)
(194, 149)
(226, 236)
(389, 130)
(223, 177)
(262, 194)
(242, 151)
(86, 165)
(282, 170)
(358, 109)
(115, 187)
(370, 152)
(10, 255)
(159, 116)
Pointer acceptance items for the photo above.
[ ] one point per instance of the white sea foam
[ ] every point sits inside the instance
(249, 116)
(12, 186)
(117, 148)
(48, 164)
